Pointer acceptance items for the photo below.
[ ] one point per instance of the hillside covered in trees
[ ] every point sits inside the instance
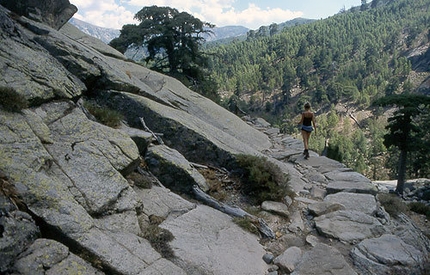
(341, 65)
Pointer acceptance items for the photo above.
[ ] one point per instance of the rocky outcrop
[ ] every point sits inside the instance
(54, 13)
(99, 200)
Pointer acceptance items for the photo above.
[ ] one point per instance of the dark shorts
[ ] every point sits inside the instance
(307, 128)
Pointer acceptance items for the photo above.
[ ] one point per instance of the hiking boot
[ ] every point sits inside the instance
(306, 154)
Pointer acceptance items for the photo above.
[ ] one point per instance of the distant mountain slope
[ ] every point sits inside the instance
(226, 32)
(107, 34)
(104, 34)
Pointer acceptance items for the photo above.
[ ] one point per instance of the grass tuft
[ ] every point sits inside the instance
(392, 204)
(104, 115)
(420, 208)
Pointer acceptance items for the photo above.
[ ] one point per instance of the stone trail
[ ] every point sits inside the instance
(346, 229)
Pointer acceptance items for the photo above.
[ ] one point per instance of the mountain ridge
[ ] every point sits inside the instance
(219, 33)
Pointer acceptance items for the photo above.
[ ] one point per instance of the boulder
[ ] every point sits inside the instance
(323, 259)
(289, 259)
(349, 226)
(54, 13)
(387, 254)
(365, 203)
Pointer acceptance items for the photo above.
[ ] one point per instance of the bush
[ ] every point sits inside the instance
(392, 204)
(262, 180)
(104, 115)
(420, 208)
(11, 100)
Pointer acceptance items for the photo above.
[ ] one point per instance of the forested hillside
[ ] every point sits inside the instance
(341, 65)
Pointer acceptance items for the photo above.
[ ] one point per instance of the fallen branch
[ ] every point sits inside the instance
(159, 140)
(232, 211)
(199, 166)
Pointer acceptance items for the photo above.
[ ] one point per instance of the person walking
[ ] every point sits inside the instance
(306, 122)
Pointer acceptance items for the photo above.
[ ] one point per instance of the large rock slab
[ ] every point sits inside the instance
(177, 103)
(387, 254)
(77, 175)
(349, 226)
(365, 203)
(90, 154)
(30, 69)
(324, 260)
(213, 244)
(194, 136)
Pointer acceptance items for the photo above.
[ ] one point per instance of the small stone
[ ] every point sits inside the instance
(312, 240)
(268, 258)
(276, 208)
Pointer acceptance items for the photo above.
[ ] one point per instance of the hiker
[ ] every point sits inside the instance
(305, 124)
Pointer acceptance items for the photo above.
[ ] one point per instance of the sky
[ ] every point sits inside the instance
(251, 14)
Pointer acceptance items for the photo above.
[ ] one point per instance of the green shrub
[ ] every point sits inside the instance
(11, 100)
(104, 115)
(262, 180)
(392, 204)
(159, 239)
(420, 208)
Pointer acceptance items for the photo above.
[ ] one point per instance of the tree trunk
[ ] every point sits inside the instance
(402, 172)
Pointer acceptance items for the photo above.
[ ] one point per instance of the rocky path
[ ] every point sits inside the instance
(336, 223)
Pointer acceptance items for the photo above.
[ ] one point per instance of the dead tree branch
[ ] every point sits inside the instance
(233, 211)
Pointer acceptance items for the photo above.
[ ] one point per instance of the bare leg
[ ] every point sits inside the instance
(306, 136)
(305, 139)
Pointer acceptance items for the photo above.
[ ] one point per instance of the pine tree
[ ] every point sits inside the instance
(404, 132)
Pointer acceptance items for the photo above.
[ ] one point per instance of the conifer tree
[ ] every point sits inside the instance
(404, 132)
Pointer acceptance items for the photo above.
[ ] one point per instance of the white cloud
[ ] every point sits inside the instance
(252, 17)
(108, 13)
